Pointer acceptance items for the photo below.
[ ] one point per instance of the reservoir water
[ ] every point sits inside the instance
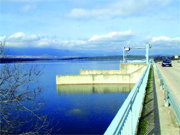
(79, 109)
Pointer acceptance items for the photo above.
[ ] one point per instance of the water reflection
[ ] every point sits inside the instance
(99, 88)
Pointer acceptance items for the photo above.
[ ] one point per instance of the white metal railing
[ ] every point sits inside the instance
(126, 120)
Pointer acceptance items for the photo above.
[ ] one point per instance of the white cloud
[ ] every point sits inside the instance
(162, 38)
(29, 7)
(20, 36)
(20, 39)
(2, 38)
(24, 0)
(121, 8)
(166, 42)
(112, 39)
(125, 35)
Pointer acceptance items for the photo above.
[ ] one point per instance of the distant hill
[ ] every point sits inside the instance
(56, 52)
(60, 53)
(40, 52)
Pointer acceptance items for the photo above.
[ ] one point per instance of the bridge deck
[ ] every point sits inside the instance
(171, 76)
(168, 123)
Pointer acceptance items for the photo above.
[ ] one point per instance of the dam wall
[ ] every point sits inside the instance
(128, 68)
(134, 76)
(125, 68)
(95, 72)
(128, 74)
(94, 79)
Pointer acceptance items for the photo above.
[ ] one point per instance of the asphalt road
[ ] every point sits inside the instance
(171, 76)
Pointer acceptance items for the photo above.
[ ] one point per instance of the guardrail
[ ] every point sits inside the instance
(126, 120)
(168, 97)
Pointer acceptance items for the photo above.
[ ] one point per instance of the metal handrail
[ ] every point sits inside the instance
(169, 99)
(126, 120)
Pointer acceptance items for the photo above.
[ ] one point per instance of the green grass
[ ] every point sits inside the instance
(143, 122)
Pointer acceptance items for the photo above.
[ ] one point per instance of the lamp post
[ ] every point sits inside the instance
(147, 52)
(126, 49)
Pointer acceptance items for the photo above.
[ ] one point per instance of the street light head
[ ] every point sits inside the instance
(127, 49)
(149, 45)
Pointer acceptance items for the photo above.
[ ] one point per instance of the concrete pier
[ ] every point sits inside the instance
(129, 73)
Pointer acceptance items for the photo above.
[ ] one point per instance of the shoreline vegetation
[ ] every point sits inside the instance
(16, 59)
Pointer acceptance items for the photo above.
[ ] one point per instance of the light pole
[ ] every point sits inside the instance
(147, 52)
(126, 49)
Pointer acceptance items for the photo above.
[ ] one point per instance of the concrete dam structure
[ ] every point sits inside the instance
(129, 73)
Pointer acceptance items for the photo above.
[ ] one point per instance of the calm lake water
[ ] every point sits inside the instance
(80, 109)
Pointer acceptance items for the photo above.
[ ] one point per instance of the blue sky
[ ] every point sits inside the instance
(104, 25)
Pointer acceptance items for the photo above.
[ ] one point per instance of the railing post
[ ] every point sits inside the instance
(147, 53)
(166, 98)
(161, 84)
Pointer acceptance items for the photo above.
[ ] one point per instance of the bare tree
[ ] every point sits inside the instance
(19, 100)
(1, 46)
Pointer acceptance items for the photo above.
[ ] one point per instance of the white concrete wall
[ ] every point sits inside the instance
(128, 68)
(134, 77)
(98, 79)
(125, 68)
(93, 79)
(128, 74)
(87, 72)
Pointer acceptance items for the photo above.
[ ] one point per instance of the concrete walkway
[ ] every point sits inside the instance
(168, 123)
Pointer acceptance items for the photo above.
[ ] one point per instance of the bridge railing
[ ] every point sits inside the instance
(168, 97)
(126, 120)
